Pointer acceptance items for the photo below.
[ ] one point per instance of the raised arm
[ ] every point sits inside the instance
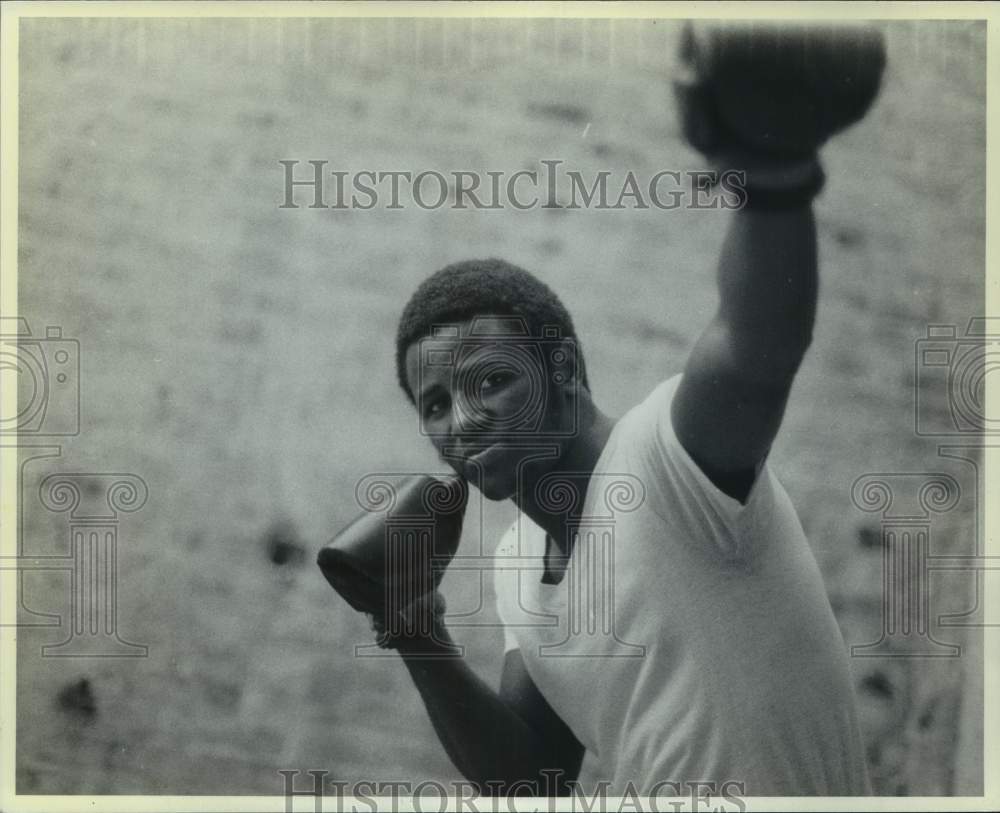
(762, 100)
(736, 381)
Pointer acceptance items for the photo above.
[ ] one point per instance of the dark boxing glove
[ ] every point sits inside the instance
(391, 559)
(763, 98)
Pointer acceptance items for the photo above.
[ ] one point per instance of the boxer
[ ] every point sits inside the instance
(726, 663)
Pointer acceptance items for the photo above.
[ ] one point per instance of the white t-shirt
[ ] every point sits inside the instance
(691, 638)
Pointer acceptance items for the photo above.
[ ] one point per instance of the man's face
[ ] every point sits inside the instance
(494, 400)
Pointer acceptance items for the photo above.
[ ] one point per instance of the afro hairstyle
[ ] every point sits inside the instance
(471, 288)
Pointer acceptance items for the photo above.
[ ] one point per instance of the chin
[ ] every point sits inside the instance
(496, 487)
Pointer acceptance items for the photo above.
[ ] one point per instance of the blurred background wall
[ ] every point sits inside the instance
(238, 358)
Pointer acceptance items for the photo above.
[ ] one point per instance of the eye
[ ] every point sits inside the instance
(496, 379)
(435, 407)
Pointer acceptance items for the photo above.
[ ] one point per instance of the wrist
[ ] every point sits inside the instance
(775, 183)
(417, 630)
(436, 643)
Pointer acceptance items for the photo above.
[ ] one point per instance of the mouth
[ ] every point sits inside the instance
(483, 459)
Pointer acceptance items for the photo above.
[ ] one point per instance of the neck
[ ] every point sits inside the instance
(578, 459)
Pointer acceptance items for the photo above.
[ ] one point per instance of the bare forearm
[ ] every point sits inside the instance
(485, 739)
(768, 285)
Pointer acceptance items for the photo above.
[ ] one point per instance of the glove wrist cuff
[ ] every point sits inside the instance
(778, 184)
(418, 629)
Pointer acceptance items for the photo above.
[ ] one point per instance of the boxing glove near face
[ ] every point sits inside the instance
(397, 550)
(779, 90)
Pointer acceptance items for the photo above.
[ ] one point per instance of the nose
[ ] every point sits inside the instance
(456, 444)
(463, 416)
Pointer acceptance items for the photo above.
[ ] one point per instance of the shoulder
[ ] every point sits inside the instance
(644, 421)
(662, 395)
(677, 485)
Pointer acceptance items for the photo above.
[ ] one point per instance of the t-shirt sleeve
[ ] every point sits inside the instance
(679, 489)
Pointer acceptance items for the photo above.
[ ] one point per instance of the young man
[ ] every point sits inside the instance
(716, 657)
